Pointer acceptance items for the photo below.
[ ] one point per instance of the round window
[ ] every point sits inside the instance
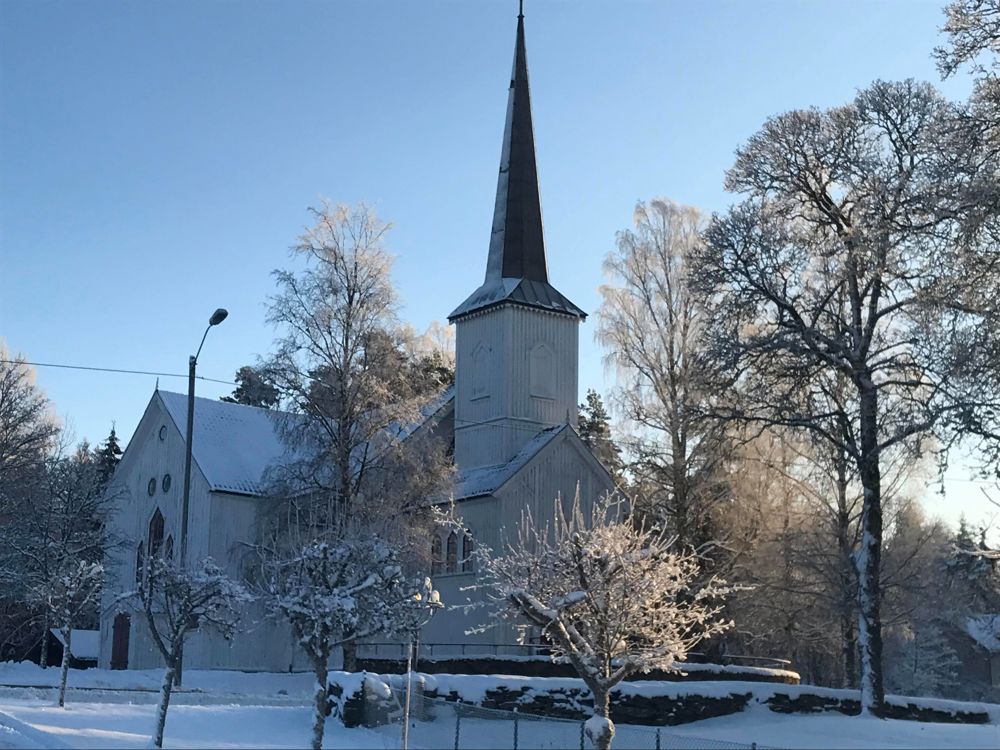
(165, 484)
(151, 488)
(163, 432)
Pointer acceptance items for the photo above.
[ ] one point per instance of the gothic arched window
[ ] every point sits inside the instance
(451, 564)
(468, 547)
(436, 559)
(168, 548)
(140, 562)
(155, 533)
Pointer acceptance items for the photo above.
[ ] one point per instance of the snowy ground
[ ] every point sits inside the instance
(236, 710)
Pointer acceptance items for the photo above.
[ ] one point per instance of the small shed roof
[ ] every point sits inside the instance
(85, 644)
(985, 630)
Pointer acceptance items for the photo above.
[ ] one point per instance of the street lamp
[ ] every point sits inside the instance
(217, 317)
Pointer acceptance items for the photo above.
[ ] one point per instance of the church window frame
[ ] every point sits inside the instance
(451, 553)
(542, 371)
(481, 363)
(468, 549)
(437, 555)
(154, 538)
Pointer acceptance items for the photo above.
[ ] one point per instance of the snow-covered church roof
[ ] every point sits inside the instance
(486, 480)
(233, 444)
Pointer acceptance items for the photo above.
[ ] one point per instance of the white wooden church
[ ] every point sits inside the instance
(513, 413)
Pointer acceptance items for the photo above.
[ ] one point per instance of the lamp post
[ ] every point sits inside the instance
(217, 317)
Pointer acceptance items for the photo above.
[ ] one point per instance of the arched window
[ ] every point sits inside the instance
(451, 562)
(541, 372)
(436, 561)
(168, 548)
(155, 533)
(468, 547)
(140, 562)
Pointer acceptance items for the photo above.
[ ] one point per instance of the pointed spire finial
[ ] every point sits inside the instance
(520, 8)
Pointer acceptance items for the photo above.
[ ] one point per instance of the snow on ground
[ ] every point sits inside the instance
(258, 710)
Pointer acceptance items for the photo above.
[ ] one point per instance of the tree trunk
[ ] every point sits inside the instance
(600, 730)
(869, 558)
(350, 650)
(67, 634)
(320, 704)
(848, 578)
(43, 658)
(161, 710)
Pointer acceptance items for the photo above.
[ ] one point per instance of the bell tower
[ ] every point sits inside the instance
(516, 336)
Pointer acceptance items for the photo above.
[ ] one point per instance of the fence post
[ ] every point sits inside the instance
(515, 727)
(583, 726)
(657, 738)
(458, 722)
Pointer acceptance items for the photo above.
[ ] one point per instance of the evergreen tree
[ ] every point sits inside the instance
(594, 426)
(253, 388)
(972, 571)
(108, 456)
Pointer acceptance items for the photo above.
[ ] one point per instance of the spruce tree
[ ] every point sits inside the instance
(594, 426)
(108, 456)
(253, 388)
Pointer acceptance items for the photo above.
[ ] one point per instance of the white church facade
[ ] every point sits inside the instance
(512, 414)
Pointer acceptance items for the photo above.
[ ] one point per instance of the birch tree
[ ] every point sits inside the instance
(846, 259)
(174, 603)
(342, 360)
(612, 597)
(650, 323)
(332, 594)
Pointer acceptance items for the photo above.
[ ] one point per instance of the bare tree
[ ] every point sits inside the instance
(610, 595)
(649, 324)
(176, 602)
(332, 594)
(845, 261)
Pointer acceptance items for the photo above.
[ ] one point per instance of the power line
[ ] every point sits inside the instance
(111, 369)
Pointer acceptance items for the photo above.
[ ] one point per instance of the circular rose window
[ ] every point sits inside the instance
(165, 484)
(151, 488)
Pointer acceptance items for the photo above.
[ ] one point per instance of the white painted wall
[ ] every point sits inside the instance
(516, 374)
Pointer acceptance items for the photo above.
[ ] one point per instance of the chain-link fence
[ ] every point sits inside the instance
(436, 723)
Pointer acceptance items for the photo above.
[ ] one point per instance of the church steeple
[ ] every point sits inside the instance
(516, 270)
(517, 244)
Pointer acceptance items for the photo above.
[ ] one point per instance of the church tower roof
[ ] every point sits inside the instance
(516, 270)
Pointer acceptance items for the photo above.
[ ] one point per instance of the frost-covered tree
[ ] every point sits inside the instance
(849, 258)
(649, 324)
(332, 594)
(613, 597)
(362, 381)
(174, 603)
(56, 523)
(74, 588)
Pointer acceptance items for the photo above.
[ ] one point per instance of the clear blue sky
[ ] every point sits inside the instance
(157, 159)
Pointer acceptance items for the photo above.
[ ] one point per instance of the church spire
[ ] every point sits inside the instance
(516, 270)
(517, 246)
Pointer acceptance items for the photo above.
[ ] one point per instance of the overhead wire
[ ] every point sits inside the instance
(111, 369)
